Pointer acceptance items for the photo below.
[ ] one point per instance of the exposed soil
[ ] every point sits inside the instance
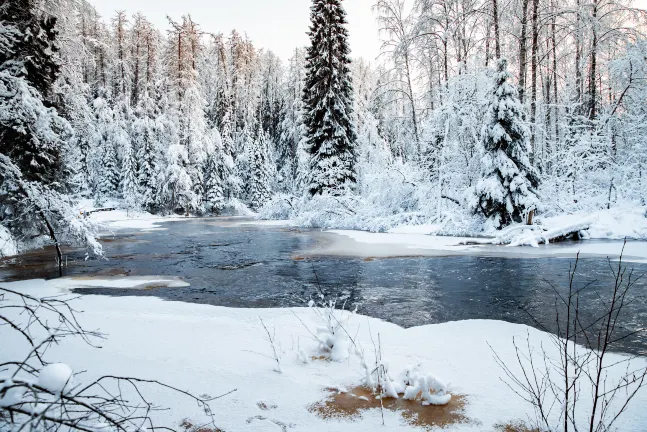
(351, 405)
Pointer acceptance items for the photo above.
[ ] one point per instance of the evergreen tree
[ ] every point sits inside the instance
(216, 174)
(507, 189)
(327, 98)
(109, 176)
(105, 173)
(129, 178)
(28, 71)
(260, 170)
(232, 183)
(33, 137)
(144, 135)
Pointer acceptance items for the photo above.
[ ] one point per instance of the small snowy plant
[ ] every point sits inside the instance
(507, 188)
(331, 334)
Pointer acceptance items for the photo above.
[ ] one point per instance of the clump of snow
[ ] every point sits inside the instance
(10, 394)
(8, 245)
(55, 377)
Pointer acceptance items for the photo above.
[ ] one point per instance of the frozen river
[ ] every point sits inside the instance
(228, 263)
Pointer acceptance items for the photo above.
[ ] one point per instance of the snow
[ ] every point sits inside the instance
(378, 245)
(208, 349)
(122, 219)
(55, 377)
(7, 243)
(120, 282)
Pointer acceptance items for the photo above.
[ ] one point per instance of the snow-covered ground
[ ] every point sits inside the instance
(379, 245)
(605, 230)
(213, 350)
(7, 244)
(120, 218)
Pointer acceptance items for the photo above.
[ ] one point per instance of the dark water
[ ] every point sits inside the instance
(255, 267)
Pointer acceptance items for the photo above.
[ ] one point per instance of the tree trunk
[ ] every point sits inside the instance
(594, 63)
(497, 40)
(533, 72)
(523, 49)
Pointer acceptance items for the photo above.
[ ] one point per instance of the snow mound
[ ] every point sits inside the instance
(118, 282)
(55, 377)
(8, 245)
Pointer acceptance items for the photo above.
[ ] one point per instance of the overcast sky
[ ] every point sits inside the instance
(278, 25)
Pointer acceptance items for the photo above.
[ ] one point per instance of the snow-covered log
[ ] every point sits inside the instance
(533, 235)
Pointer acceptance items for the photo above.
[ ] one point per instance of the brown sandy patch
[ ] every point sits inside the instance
(351, 405)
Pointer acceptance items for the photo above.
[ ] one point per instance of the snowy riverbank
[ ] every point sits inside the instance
(213, 350)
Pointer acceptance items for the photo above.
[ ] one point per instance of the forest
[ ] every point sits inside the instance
(476, 115)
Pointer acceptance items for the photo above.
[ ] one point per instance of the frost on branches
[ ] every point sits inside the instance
(327, 99)
(32, 178)
(507, 189)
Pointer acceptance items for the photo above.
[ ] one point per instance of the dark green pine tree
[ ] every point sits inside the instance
(327, 99)
(30, 56)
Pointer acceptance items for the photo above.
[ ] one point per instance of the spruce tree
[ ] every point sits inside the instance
(29, 69)
(144, 134)
(129, 178)
(327, 98)
(216, 174)
(507, 189)
(261, 170)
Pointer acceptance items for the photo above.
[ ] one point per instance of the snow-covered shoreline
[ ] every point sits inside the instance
(213, 350)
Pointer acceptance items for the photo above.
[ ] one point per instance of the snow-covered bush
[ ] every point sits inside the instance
(8, 245)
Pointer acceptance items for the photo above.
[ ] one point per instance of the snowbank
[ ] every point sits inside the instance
(8, 246)
(375, 245)
(213, 350)
(121, 282)
(120, 218)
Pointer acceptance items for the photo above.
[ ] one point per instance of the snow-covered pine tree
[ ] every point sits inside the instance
(105, 172)
(291, 127)
(144, 136)
(507, 189)
(177, 186)
(28, 72)
(261, 170)
(129, 178)
(215, 175)
(109, 176)
(193, 136)
(327, 98)
(232, 183)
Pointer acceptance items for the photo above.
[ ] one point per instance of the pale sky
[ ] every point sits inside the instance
(278, 25)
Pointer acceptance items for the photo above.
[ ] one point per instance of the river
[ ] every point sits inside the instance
(251, 266)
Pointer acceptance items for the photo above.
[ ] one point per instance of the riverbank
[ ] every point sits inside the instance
(213, 350)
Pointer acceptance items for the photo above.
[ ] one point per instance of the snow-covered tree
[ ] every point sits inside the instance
(327, 98)
(129, 190)
(144, 136)
(216, 173)
(177, 186)
(105, 173)
(31, 202)
(261, 169)
(507, 189)
(232, 182)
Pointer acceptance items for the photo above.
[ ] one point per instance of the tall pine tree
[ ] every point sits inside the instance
(507, 189)
(327, 99)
